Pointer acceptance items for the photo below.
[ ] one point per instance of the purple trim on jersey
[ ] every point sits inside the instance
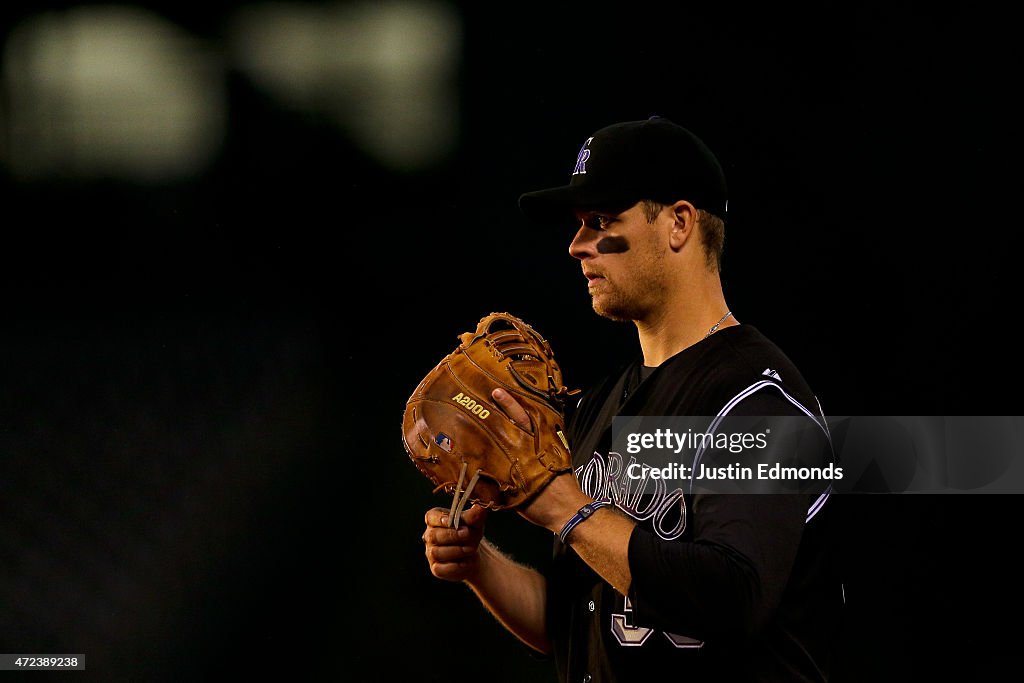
(749, 391)
(818, 504)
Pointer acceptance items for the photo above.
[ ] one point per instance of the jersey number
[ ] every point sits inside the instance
(635, 636)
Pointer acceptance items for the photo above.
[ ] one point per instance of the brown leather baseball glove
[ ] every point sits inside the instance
(454, 431)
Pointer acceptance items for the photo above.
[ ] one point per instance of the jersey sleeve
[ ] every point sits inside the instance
(729, 577)
(730, 574)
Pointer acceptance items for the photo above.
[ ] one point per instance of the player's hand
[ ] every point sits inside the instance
(556, 503)
(454, 554)
(513, 410)
(559, 500)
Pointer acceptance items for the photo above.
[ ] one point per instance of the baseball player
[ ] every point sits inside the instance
(666, 580)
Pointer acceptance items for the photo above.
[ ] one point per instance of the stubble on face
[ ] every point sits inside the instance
(635, 287)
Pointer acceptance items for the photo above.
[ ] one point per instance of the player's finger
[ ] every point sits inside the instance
(474, 517)
(436, 517)
(515, 412)
(450, 571)
(440, 554)
(444, 536)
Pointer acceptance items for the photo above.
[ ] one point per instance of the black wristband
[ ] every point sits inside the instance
(582, 514)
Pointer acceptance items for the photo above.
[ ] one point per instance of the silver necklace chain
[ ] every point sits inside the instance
(714, 328)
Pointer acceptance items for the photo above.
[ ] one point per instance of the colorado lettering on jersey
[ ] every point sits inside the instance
(471, 405)
(642, 499)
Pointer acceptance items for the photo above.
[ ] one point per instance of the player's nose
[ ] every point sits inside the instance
(583, 244)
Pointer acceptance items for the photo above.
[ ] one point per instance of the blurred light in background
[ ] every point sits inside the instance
(384, 71)
(120, 92)
(110, 92)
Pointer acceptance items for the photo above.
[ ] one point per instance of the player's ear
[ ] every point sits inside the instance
(684, 223)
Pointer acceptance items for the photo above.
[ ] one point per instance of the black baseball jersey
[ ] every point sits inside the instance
(725, 587)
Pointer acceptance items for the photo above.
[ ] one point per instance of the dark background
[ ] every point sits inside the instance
(202, 472)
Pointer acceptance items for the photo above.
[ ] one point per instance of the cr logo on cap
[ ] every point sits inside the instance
(581, 159)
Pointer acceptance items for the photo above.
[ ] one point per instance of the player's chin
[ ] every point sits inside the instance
(608, 307)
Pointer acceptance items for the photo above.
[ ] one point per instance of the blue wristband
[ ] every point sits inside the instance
(582, 514)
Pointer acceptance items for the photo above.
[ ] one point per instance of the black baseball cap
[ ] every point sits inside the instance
(633, 160)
